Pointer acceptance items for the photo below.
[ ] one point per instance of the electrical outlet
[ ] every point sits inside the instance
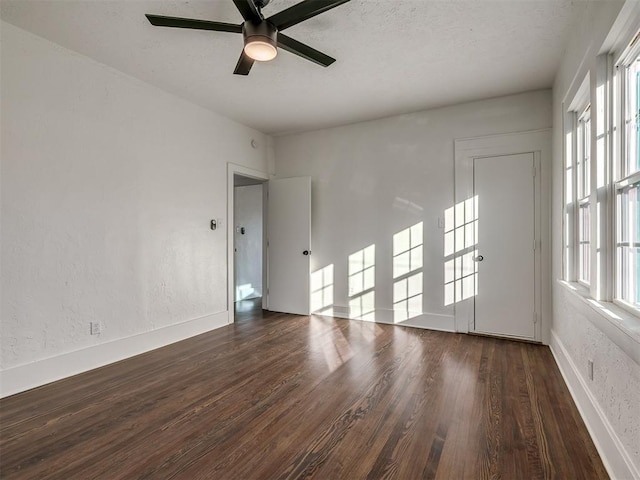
(95, 328)
(590, 369)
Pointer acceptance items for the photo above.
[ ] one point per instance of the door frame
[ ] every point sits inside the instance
(537, 142)
(535, 241)
(233, 169)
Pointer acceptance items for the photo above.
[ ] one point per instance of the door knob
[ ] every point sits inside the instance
(479, 258)
(307, 252)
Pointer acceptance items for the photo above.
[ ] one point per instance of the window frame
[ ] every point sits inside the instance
(604, 282)
(582, 169)
(621, 178)
(617, 321)
(573, 178)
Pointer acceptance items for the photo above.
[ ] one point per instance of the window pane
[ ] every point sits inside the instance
(586, 161)
(628, 245)
(568, 176)
(631, 114)
(584, 243)
(579, 168)
(583, 161)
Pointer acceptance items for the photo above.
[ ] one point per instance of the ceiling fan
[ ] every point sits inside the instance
(262, 35)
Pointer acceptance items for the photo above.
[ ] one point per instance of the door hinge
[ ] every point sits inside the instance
(535, 317)
(533, 171)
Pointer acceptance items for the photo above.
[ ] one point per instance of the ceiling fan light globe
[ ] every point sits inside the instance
(260, 51)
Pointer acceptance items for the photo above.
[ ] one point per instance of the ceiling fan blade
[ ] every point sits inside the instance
(248, 10)
(161, 21)
(304, 51)
(302, 11)
(244, 64)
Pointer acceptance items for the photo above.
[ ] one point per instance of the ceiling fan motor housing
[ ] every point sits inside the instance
(263, 32)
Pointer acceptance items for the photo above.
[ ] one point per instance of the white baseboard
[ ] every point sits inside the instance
(613, 454)
(25, 377)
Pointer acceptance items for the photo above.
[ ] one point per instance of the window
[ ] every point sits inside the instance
(602, 186)
(578, 188)
(583, 170)
(628, 245)
(601, 198)
(627, 184)
(631, 157)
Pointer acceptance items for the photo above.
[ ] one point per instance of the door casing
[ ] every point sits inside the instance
(233, 169)
(537, 142)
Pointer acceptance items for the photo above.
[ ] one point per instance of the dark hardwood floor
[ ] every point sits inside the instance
(279, 396)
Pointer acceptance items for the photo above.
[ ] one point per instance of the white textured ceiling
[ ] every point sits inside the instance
(393, 56)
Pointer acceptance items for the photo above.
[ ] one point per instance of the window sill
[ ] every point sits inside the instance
(621, 326)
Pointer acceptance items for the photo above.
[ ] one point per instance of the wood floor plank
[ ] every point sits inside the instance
(278, 396)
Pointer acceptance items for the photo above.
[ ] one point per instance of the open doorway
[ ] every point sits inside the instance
(248, 244)
(285, 270)
(237, 177)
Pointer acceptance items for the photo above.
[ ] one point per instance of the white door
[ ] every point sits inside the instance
(289, 245)
(505, 259)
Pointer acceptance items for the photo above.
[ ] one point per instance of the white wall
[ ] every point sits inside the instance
(248, 258)
(374, 179)
(609, 403)
(108, 187)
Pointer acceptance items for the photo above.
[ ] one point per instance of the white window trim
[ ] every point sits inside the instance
(581, 201)
(617, 183)
(619, 320)
(579, 107)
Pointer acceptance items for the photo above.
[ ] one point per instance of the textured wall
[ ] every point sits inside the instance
(616, 377)
(616, 384)
(108, 185)
(374, 179)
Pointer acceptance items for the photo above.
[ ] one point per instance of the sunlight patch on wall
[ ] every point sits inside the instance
(322, 290)
(407, 273)
(460, 241)
(362, 281)
(245, 291)
(407, 250)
